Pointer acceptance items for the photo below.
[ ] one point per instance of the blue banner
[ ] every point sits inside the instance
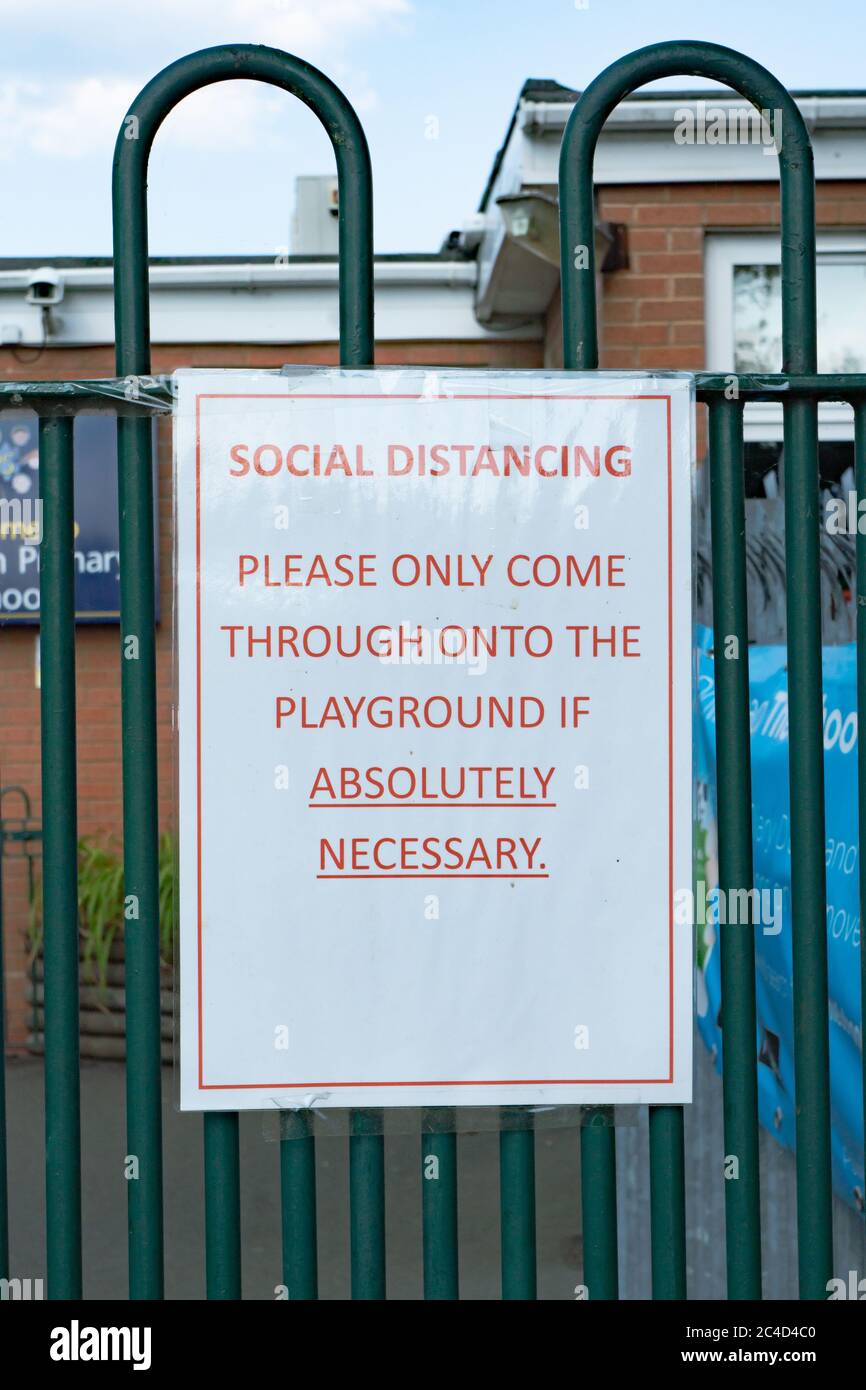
(96, 550)
(768, 691)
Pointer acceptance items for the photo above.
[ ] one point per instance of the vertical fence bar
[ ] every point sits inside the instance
(734, 813)
(222, 1205)
(439, 1205)
(860, 486)
(60, 859)
(598, 1203)
(808, 846)
(132, 322)
(298, 1202)
(140, 854)
(517, 1205)
(667, 1201)
(367, 1204)
(805, 727)
(4, 1173)
(138, 714)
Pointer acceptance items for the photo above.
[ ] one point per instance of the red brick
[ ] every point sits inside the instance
(637, 334)
(743, 215)
(691, 334)
(640, 239)
(675, 215)
(685, 359)
(844, 212)
(687, 239)
(620, 310)
(624, 284)
(669, 263)
(617, 358)
(688, 287)
(724, 192)
(654, 310)
(617, 212)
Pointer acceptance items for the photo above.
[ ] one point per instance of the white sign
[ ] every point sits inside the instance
(434, 640)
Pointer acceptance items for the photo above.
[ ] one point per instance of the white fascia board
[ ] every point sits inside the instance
(415, 301)
(652, 156)
(637, 144)
(646, 152)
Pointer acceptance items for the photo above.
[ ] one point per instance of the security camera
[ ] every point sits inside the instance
(44, 287)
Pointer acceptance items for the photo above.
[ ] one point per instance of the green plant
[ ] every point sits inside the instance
(167, 894)
(101, 902)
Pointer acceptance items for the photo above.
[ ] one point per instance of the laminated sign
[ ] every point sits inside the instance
(434, 711)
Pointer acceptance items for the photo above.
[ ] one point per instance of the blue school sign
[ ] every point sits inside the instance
(97, 572)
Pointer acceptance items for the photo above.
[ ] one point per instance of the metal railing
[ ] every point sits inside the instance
(799, 389)
(24, 834)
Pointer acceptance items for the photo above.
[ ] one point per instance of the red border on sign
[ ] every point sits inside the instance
(374, 1085)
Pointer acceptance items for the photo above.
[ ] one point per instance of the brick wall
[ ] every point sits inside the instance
(97, 652)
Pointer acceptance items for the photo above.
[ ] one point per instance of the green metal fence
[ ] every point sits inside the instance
(20, 839)
(799, 389)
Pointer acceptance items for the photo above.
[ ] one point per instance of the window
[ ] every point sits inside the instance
(744, 335)
(744, 318)
(841, 295)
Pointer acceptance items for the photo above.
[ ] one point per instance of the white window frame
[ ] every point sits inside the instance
(722, 252)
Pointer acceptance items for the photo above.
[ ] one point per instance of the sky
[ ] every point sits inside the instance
(433, 81)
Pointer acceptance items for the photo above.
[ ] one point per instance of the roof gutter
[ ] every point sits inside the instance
(655, 113)
(251, 276)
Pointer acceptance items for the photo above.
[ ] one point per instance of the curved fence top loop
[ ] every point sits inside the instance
(14, 789)
(129, 190)
(762, 90)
